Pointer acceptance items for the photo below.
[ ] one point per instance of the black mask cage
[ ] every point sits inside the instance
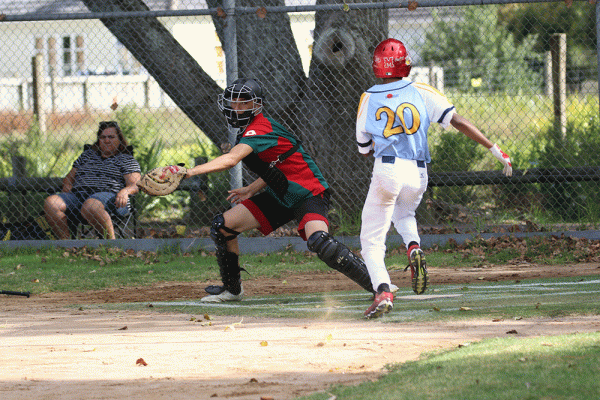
(241, 91)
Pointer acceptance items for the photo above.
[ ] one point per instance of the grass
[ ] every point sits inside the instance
(483, 301)
(57, 269)
(559, 367)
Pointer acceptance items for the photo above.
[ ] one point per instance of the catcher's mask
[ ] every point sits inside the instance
(240, 102)
(391, 60)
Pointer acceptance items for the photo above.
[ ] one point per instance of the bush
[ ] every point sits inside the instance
(455, 152)
(579, 147)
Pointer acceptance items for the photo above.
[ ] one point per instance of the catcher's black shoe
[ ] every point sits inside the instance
(223, 296)
(418, 269)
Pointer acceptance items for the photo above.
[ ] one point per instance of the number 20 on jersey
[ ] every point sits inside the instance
(391, 127)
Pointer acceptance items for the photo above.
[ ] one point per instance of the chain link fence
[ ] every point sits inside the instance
(525, 73)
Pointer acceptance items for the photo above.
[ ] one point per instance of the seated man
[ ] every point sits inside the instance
(98, 185)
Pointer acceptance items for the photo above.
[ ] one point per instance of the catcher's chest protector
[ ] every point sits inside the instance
(268, 172)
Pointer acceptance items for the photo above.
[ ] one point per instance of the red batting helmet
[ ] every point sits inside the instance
(390, 60)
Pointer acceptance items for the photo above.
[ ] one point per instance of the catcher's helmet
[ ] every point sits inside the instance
(390, 60)
(243, 90)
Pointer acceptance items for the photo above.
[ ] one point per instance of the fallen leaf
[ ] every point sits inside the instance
(123, 328)
(465, 309)
(264, 343)
(140, 361)
(412, 5)
(512, 332)
(261, 12)
(232, 326)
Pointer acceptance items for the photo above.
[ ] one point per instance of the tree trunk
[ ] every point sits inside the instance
(320, 109)
(340, 72)
(267, 51)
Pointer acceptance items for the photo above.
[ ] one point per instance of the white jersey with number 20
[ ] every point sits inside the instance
(393, 119)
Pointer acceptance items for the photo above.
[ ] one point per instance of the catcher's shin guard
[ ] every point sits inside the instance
(339, 257)
(228, 261)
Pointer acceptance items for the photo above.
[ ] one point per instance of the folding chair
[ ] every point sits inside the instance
(125, 226)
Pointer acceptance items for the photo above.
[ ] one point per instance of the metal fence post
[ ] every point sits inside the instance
(199, 210)
(598, 46)
(558, 46)
(231, 68)
(19, 201)
(39, 91)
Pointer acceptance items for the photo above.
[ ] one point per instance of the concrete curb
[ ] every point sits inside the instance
(272, 244)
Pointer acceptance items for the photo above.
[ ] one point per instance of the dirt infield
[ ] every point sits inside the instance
(51, 351)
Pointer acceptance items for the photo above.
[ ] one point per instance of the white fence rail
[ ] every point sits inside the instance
(76, 93)
(97, 92)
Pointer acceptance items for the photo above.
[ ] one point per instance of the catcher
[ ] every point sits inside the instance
(294, 190)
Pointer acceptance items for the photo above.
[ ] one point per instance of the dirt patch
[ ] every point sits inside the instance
(53, 352)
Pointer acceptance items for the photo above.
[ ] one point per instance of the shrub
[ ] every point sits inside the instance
(579, 147)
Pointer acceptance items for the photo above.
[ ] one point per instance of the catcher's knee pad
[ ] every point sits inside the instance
(229, 265)
(218, 224)
(339, 257)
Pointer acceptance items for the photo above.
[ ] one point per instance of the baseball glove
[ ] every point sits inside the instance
(162, 181)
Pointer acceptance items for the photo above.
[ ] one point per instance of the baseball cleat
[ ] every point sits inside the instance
(224, 296)
(418, 271)
(383, 304)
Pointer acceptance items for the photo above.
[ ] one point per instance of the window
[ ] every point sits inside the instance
(67, 55)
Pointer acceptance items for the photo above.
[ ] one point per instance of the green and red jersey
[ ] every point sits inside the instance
(270, 139)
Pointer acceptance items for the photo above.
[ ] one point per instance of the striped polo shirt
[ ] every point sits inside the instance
(98, 174)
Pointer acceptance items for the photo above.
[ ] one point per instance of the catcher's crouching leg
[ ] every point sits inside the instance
(341, 258)
(228, 261)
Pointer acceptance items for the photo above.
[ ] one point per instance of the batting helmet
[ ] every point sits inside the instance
(243, 90)
(390, 60)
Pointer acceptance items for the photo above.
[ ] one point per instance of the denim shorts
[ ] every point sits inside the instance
(74, 202)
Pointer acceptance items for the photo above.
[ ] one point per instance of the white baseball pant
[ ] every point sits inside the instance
(396, 190)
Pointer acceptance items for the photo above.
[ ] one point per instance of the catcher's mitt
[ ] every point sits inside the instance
(162, 181)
